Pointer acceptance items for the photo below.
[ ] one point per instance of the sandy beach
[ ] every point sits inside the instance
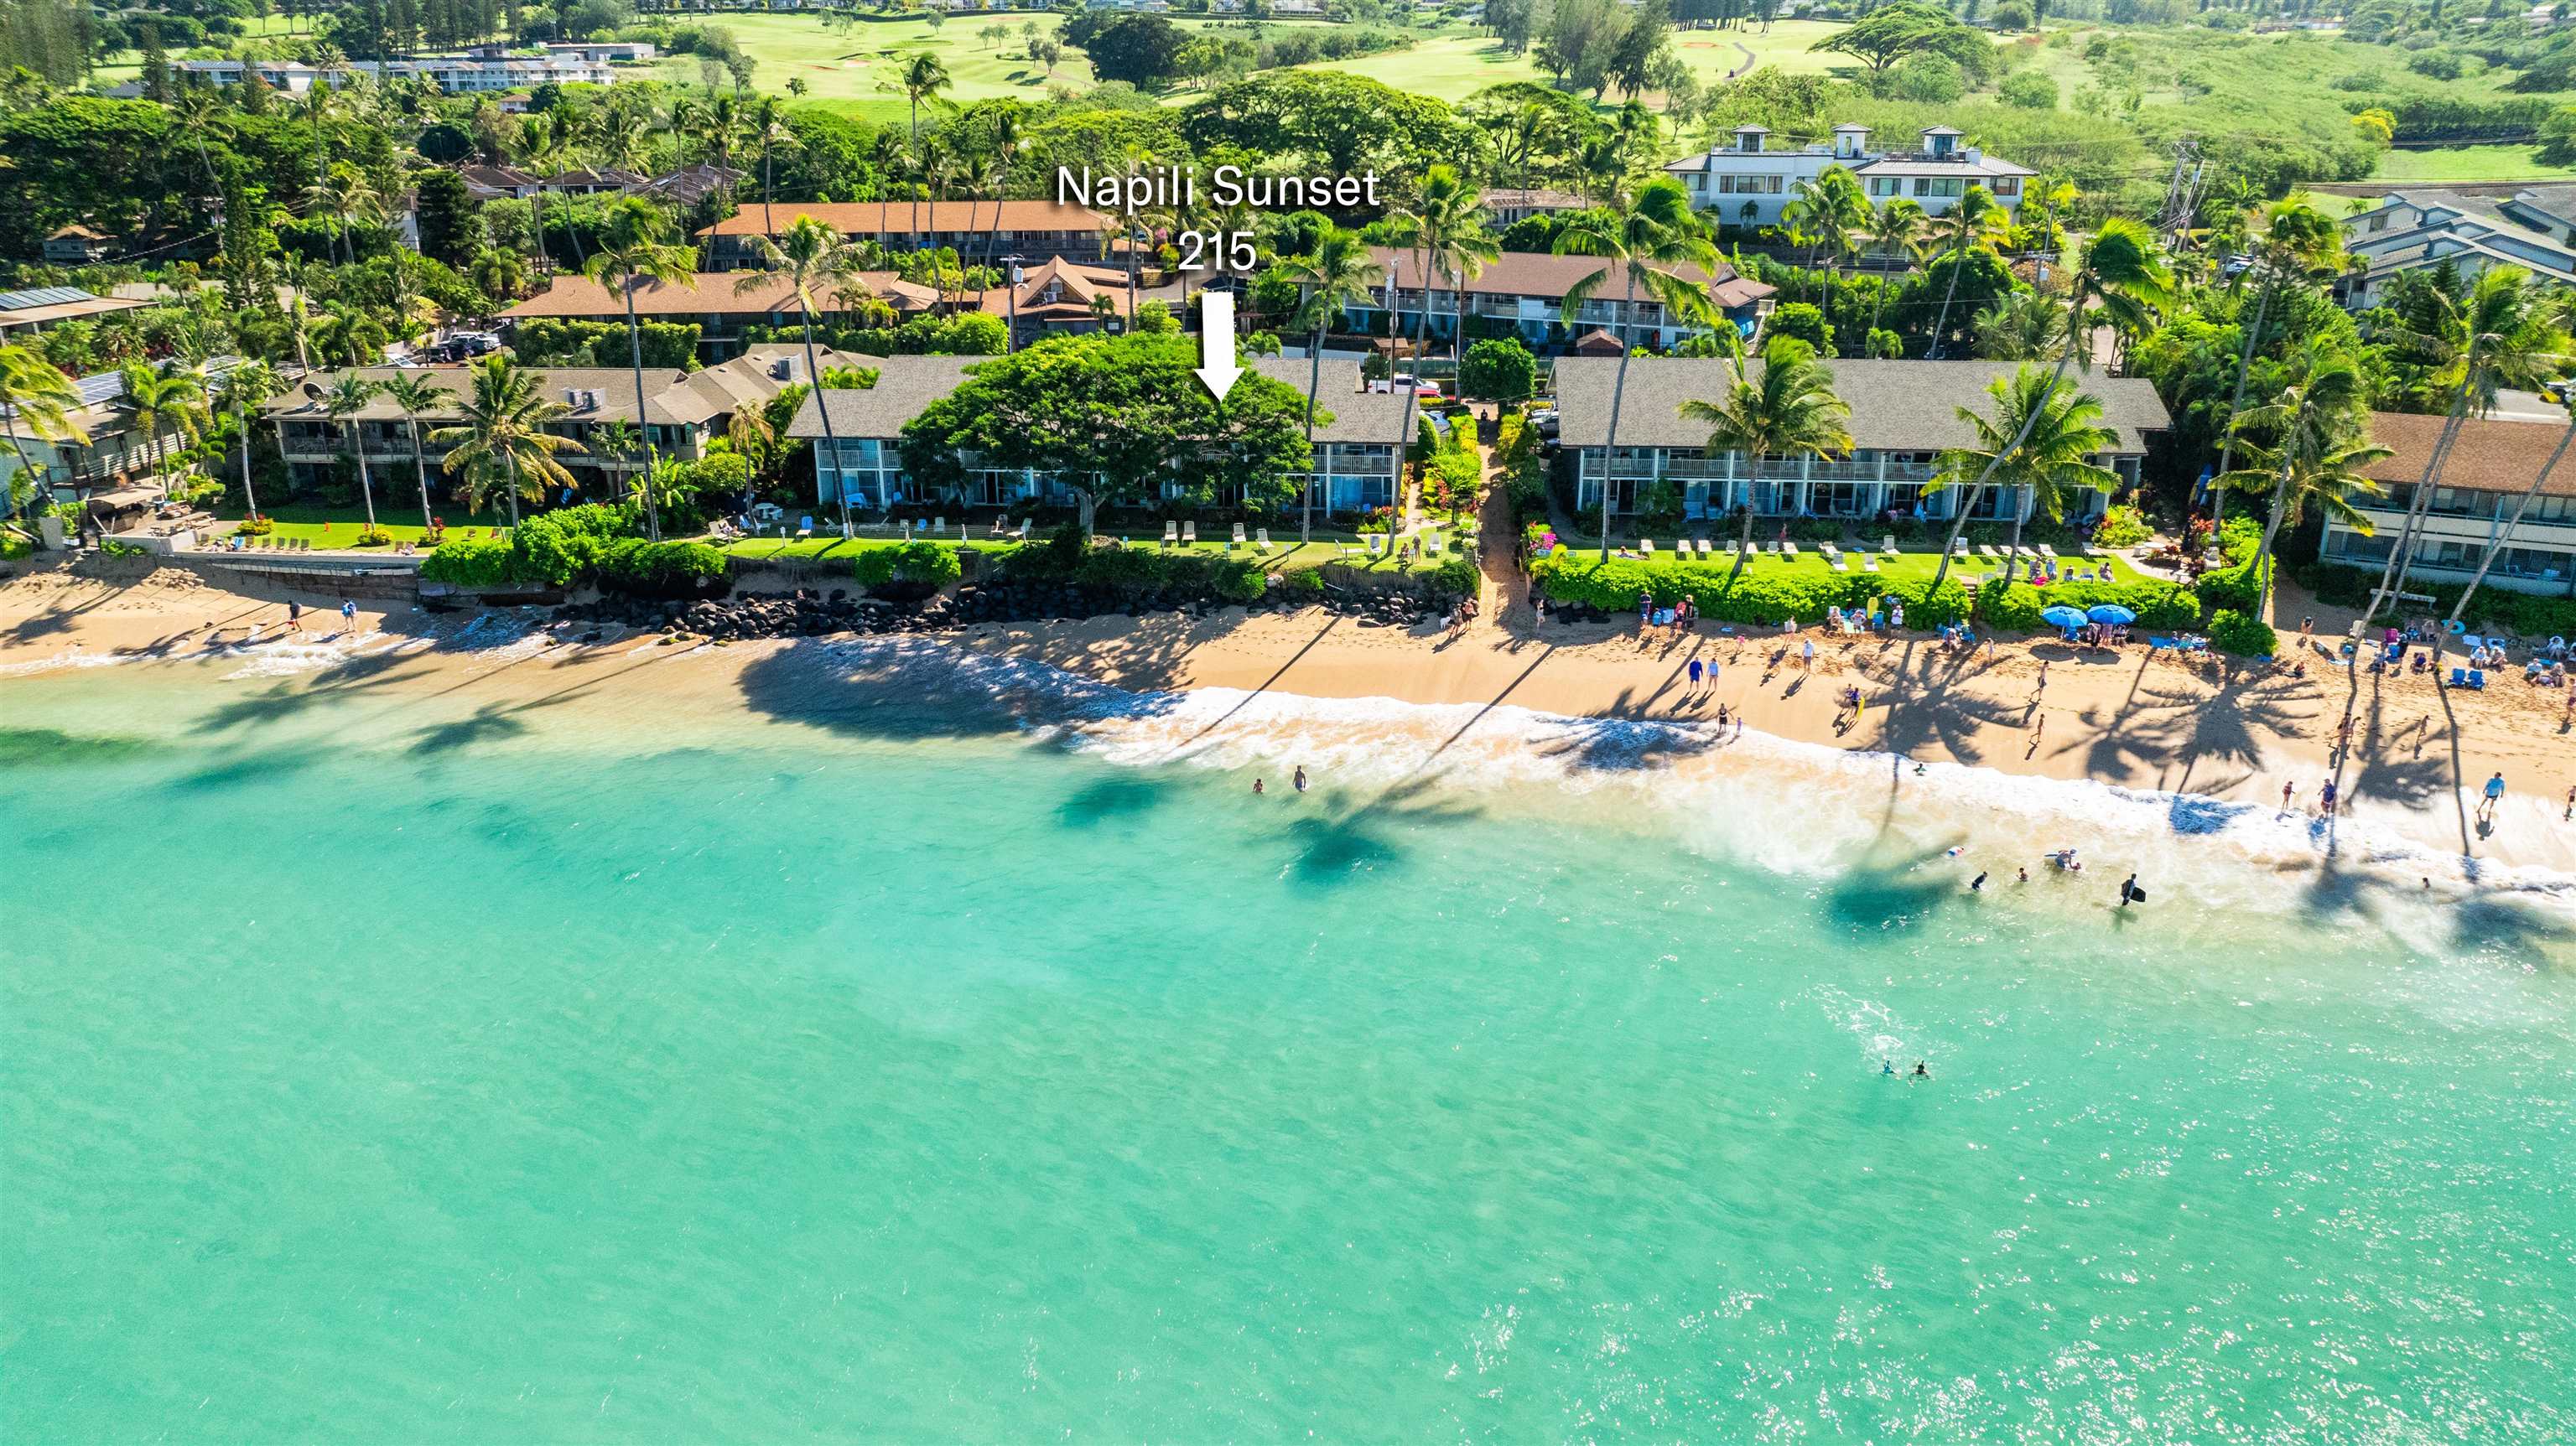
(2417, 752)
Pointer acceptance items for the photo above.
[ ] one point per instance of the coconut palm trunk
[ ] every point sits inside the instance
(2392, 576)
(2236, 402)
(1314, 478)
(1610, 435)
(1941, 322)
(366, 483)
(635, 354)
(420, 471)
(241, 424)
(831, 447)
(2487, 559)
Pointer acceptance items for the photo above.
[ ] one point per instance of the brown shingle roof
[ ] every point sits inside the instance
(1896, 406)
(870, 218)
(2493, 455)
(1543, 274)
(709, 293)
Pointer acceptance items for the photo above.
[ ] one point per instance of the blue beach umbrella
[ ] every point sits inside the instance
(2062, 616)
(2111, 613)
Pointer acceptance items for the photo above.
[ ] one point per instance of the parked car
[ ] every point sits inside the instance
(1545, 420)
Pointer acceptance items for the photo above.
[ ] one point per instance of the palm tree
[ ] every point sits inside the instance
(2299, 245)
(1974, 224)
(501, 437)
(1788, 410)
(247, 385)
(1644, 244)
(923, 79)
(317, 107)
(1896, 229)
(770, 130)
(35, 391)
(1005, 133)
(417, 398)
(2020, 326)
(637, 250)
(1450, 221)
(2316, 455)
(2502, 335)
(2496, 543)
(2038, 441)
(162, 402)
(1334, 277)
(814, 258)
(2123, 271)
(552, 143)
(342, 401)
(1828, 210)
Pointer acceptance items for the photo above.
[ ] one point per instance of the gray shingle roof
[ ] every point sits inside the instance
(1896, 406)
(1357, 416)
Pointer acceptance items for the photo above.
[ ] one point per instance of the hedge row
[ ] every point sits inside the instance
(1135, 571)
(2497, 609)
(1570, 576)
(592, 543)
(2015, 606)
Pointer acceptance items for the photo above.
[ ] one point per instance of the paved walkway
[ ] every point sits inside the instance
(1504, 589)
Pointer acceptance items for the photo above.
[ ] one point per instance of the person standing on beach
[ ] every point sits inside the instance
(294, 616)
(1807, 655)
(2288, 791)
(2571, 804)
(1694, 675)
(2326, 798)
(2128, 890)
(1301, 778)
(2495, 795)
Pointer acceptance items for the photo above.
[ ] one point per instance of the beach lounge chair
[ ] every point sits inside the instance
(2459, 678)
(1729, 548)
(304, 544)
(1238, 538)
(1887, 544)
(1788, 549)
(1024, 529)
(1171, 534)
(2477, 679)
(1646, 545)
(939, 526)
(2048, 552)
(1868, 563)
(1190, 534)
(1837, 564)
(1377, 544)
(1961, 550)
(1262, 537)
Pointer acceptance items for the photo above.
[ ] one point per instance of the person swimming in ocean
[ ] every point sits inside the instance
(1884, 1067)
(1301, 778)
(1920, 1072)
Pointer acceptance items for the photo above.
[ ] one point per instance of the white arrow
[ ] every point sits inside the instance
(1216, 342)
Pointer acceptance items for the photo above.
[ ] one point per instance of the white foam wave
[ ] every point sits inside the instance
(1792, 807)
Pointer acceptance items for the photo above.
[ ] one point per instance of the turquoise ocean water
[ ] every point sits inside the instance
(388, 1066)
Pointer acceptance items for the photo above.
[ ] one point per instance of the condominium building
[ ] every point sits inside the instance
(1903, 415)
(1526, 291)
(453, 74)
(2491, 466)
(1751, 181)
(2410, 230)
(979, 231)
(1355, 463)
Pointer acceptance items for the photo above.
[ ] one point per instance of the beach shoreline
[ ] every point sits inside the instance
(2127, 721)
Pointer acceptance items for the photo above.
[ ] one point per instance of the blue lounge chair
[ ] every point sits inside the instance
(2459, 677)
(2477, 679)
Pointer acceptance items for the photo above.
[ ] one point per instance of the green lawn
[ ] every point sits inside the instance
(2469, 163)
(337, 527)
(856, 70)
(1453, 67)
(1904, 567)
(1284, 556)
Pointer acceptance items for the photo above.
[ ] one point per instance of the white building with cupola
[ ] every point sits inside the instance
(1749, 182)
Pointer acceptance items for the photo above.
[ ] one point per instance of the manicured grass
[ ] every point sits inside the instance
(1904, 567)
(1285, 555)
(1455, 66)
(857, 70)
(2469, 163)
(338, 527)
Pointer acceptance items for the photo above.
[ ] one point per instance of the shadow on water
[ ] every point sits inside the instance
(357, 677)
(2513, 930)
(1343, 845)
(1890, 888)
(904, 691)
(25, 748)
(1124, 795)
(248, 769)
(488, 724)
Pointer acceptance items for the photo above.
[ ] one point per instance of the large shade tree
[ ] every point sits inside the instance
(1115, 420)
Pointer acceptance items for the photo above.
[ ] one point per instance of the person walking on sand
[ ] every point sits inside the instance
(2288, 791)
(348, 615)
(294, 616)
(2326, 799)
(2495, 795)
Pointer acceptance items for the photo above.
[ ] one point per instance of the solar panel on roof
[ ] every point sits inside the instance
(42, 296)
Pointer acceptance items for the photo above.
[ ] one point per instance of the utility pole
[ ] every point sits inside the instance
(2182, 192)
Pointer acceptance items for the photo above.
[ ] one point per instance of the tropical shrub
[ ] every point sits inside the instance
(2123, 526)
(2235, 586)
(907, 571)
(638, 568)
(1455, 576)
(1755, 595)
(256, 527)
(563, 548)
(2496, 609)
(373, 537)
(2014, 606)
(469, 561)
(15, 545)
(2246, 637)
(1499, 368)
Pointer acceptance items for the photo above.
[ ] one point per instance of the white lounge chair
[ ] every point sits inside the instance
(1238, 538)
(1730, 547)
(2048, 552)
(1024, 529)
(1190, 534)
(1868, 563)
(1263, 536)
(1788, 549)
(1703, 547)
(1838, 564)
(1171, 534)
(1646, 545)
(1887, 544)
(939, 526)
(1377, 544)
